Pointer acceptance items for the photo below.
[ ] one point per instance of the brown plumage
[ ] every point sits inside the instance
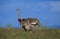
(27, 23)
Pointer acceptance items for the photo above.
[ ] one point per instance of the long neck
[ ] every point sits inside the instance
(19, 19)
(18, 11)
(18, 14)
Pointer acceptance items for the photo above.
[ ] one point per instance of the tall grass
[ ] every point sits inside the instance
(15, 33)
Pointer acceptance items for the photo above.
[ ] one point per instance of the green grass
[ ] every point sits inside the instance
(14, 33)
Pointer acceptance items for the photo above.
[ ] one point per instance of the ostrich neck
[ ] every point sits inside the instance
(19, 15)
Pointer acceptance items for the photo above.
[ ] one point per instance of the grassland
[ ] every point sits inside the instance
(15, 33)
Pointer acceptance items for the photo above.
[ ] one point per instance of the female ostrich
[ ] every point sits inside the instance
(27, 23)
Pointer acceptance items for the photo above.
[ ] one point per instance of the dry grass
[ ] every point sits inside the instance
(11, 33)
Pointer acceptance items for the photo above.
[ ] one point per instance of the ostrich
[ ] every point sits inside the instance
(27, 23)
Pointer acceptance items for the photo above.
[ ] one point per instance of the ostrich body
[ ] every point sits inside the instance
(27, 23)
